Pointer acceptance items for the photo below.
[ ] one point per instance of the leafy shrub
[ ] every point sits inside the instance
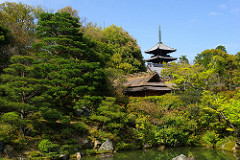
(90, 151)
(54, 148)
(12, 118)
(126, 146)
(71, 141)
(5, 130)
(65, 120)
(50, 115)
(193, 140)
(67, 149)
(52, 155)
(211, 138)
(144, 130)
(35, 154)
(67, 132)
(170, 136)
(81, 127)
(44, 145)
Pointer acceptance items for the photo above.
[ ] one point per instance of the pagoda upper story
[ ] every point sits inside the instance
(160, 52)
(160, 55)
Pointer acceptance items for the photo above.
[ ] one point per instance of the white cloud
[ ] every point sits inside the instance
(213, 13)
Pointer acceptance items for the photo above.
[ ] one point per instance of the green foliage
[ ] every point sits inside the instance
(232, 111)
(12, 118)
(211, 138)
(126, 146)
(50, 114)
(67, 149)
(19, 18)
(170, 136)
(175, 130)
(5, 37)
(144, 130)
(6, 132)
(109, 115)
(5, 41)
(80, 127)
(122, 50)
(44, 145)
(90, 151)
(183, 59)
(213, 70)
(35, 154)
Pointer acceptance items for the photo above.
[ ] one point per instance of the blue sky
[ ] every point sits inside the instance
(190, 26)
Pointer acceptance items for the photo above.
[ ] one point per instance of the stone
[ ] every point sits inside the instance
(147, 145)
(182, 157)
(237, 146)
(1, 145)
(84, 111)
(84, 143)
(96, 144)
(63, 157)
(106, 146)
(78, 155)
(8, 149)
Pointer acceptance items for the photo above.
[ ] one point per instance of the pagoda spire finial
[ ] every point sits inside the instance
(160, 38)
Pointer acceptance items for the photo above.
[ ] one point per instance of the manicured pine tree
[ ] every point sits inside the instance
(21, 93)
(71, 66)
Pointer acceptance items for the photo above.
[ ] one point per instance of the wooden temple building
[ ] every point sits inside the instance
(145, 84)
(151, 83)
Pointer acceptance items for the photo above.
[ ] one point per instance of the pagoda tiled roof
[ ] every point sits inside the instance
(160, 46)
(161, 57)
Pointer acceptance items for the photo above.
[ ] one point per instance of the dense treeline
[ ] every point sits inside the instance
(61, 83)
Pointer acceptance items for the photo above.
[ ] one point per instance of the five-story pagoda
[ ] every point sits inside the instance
(160, 56)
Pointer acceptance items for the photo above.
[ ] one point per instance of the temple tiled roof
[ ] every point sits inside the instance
(160, 46)
(142, 81)
(160, 57)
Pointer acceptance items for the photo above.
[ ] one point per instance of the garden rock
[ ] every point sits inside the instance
(78, 155)
(147, 145)
(106, 146)
(63, 157)
(182, 157)
(8, 150)
(84, 111)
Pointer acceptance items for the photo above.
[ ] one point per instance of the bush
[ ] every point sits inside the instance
(227, 143)
(5, 132)
(67, 149)
(171, 136)
(81, 127)
(35, 154)
(12, 118)
(65, 120)
(67, 132)
(44, 145)
(90, 151)
(50, 115)
(211, 138)
(126, 146)
(52, 155)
